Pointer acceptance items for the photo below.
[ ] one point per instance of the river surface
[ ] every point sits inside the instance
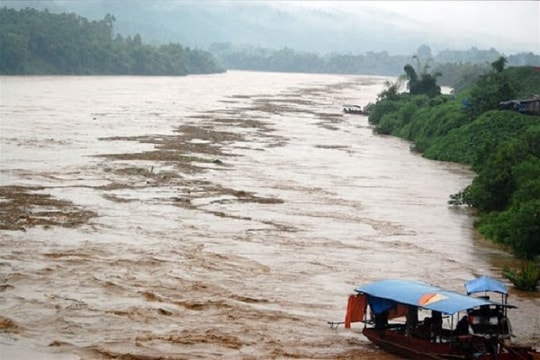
(216, 216)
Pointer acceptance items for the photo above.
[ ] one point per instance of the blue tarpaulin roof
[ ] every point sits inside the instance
(382, 295)
(485, 283)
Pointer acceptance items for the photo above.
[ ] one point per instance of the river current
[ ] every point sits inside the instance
(216, 216)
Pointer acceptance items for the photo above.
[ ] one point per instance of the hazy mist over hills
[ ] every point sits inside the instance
(320, 27)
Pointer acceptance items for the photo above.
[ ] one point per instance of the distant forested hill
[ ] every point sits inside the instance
(40, 42)
(239, 35)
(457, 68)
(268, 24)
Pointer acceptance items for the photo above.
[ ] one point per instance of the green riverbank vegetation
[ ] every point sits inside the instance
(36, 42)
(468, 127)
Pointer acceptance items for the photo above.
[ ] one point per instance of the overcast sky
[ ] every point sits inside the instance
(504, 25)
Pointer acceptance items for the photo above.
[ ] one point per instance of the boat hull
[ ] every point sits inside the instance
(406, 346)
(419, 349)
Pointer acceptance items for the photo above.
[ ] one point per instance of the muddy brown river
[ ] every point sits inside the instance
(217, 216)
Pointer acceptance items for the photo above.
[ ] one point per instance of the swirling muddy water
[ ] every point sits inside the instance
(215, 216)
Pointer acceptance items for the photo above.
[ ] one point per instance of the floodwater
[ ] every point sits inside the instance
(216, 216)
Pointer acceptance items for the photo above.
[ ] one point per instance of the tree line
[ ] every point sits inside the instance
(458, 69)
(40, 42)
(502, 146)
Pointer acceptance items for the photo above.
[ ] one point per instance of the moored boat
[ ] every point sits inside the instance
(419, 321)
(354, 109)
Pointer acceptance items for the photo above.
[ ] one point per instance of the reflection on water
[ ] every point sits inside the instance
(232, 215)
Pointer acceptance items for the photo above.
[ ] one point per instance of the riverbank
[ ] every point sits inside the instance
(499, 145)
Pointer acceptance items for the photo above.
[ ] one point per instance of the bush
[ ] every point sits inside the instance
(524, 279)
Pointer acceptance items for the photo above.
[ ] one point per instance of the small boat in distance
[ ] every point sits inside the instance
(354, 109)
(419, 321)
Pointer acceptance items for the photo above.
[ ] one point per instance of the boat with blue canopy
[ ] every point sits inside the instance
(485, 284)
(420, 321)
(484, 320)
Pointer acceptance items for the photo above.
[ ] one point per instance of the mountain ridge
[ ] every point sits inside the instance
(265, 24)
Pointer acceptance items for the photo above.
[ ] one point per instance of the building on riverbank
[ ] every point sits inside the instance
(527, 106)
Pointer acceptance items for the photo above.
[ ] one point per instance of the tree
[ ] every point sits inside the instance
(39, 42)
(492, 88)
(498, 65)
(390, 91)
(421, 82)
